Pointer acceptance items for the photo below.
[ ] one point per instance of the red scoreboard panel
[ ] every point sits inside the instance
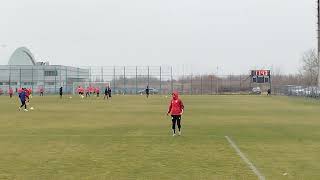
(260, 72)
(260, 76)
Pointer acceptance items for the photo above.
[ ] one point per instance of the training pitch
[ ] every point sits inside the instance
(129, 137)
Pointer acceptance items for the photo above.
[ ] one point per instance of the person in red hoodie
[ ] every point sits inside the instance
(41, 90)
(27, 94)
(176, 109)
(97, 90)
(10, 92)
(87, 91)
(30, 91)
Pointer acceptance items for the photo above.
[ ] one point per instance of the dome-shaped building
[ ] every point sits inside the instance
(22, 70)
(22, 56)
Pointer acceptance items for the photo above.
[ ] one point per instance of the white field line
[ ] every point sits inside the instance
(245, 159)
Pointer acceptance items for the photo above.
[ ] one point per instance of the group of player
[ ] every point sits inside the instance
(89, 91)
(24, 95)
(176, 107)
(27, 90)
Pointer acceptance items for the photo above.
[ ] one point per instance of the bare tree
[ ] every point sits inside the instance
(277, 76)
(309, 69)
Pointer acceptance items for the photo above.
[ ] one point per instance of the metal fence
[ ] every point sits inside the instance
(298, 90)
(49, 78)
(135, 79)
(122, 79)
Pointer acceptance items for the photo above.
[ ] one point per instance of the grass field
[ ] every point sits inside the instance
(130, 138)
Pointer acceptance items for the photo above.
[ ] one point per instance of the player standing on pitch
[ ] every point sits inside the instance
(22, 97)
(176, 109)
(41, 91)
(87, 91)
(61, 92)
(27, 91)
(106, 93)
(10, 92)
(97, 90)
(147, 91)
(109, 92)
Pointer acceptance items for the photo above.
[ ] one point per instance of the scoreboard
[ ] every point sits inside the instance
(260, 76)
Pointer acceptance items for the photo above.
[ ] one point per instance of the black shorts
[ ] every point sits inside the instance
(176, 117)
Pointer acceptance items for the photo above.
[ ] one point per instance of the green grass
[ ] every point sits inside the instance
(129, 137)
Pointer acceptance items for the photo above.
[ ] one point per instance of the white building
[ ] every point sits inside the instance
(22, 70)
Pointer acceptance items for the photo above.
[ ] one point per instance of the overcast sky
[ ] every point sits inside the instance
(236, 35)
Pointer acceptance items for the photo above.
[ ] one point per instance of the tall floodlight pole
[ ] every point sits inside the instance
(318, 18)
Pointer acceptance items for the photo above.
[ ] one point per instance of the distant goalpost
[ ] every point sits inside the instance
(101, 85)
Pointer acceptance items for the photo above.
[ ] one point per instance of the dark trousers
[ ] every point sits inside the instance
(23, 103)
(176, 119)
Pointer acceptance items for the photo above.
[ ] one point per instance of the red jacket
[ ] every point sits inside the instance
(176, 106)
(27, 92)
(10, 91)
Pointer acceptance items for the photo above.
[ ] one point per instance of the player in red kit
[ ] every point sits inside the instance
(97, 91)
(27, 91)
(176, 108)
(10, 92)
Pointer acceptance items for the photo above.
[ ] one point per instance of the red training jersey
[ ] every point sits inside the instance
(176, 106)
(10, 91)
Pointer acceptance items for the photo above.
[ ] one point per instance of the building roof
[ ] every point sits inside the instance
(19, 56)
(22, 56)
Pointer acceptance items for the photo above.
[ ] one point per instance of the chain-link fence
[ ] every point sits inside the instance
(122, 79)
(135, 79)
(298, 90)
(49, 78)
